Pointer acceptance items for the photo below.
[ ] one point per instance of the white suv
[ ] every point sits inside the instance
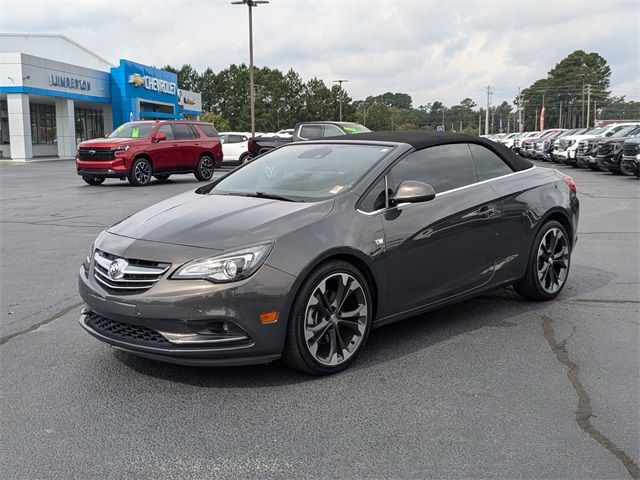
(234, 147)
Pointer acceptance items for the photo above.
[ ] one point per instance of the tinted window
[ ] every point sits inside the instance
(208, 130)
(488, 164)
(182, 130)
(311, 132)
(235, 139)
(332, 131)
(375, 199)
(444, 167)
(166, 129)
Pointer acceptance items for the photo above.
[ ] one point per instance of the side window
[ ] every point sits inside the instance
(166, 129)
(444, 167)
(488, 164)
(310, 132)
(208, 129)
(223, 139)
(234, 139)
(332, 131)
(182, 131)
(375, 199)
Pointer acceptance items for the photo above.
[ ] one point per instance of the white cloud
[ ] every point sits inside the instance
(433, 50)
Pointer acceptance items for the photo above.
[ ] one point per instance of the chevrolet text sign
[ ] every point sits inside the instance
(153, 83)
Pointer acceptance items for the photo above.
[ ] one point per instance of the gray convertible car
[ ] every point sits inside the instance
(300, 253)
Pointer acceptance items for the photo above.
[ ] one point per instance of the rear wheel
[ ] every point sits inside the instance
(93, 180)
(140, 174)
(204, 170)
(548, 264)
(162, 177)
(244, 158)
(330, 320)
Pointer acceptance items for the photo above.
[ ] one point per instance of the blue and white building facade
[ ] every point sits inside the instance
(54, 93)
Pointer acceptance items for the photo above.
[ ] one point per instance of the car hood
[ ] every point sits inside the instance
(108, 142)
(219, 221)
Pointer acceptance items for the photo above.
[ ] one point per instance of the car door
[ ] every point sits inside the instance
(443, 247)
(163, 150)
(185, 155)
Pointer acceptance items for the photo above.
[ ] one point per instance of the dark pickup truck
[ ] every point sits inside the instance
(304, 131)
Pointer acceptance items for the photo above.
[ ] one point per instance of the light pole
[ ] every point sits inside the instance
(251, 4)
(340, 82)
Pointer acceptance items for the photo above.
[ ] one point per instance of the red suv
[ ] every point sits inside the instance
(139, 150)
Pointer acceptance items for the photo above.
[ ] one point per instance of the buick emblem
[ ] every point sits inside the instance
(116, 269)
(92, 152)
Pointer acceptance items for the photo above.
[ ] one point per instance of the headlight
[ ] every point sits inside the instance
(228, 267)
(121, 148)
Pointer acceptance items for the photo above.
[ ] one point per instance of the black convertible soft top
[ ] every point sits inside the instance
(424, 139)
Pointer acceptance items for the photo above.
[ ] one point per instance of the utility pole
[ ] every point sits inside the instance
(479, 124)
(588, 105)
(595, 112)
(340, 82)
(520, 106)
(560, 115)
(251, 4)
(443, 127)
(536, 119)
(582, 114)
(486, 119)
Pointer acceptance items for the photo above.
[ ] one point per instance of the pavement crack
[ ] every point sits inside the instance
(55, 316)
(584, 411)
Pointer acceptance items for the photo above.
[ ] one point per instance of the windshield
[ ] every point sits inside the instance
(301, 171)
(623, 132)
(132, 130)
(595, 131)
(355, 128)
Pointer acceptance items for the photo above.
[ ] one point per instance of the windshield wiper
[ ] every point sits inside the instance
(272, 196)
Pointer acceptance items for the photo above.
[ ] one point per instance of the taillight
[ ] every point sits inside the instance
(570, 183)
(249, 145)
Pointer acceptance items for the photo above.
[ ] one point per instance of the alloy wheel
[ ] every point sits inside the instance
(142, 172)
(206, 168)
(336, 319)
(553, 260)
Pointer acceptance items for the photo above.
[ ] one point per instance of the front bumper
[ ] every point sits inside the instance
(105, 169)
(177, 321)
(608, 162)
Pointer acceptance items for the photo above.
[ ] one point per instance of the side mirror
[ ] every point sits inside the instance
(411, 191)
(160, 137)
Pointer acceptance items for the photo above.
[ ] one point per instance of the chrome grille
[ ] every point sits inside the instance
(132, 276)
(584, 147)
(124, 331)
(630, 150)
(604, 148)
(98, 154)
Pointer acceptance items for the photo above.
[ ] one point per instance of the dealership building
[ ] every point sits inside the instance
(55, 93)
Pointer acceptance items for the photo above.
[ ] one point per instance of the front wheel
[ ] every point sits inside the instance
(204, 170)
(625, 170)
(330, 320)
(140, 174)
(548, 264)
(93, 180)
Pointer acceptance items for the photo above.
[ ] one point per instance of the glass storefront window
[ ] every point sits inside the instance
(43, 124)
(89, 124)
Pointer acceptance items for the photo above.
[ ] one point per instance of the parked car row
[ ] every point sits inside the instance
(614, 148)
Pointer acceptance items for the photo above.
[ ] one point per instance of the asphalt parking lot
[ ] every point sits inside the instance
(492, 387)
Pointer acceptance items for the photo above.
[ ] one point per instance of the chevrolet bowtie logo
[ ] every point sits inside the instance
(136, 79)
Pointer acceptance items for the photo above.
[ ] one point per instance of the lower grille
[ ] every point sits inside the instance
(124, 331)
(98, 154)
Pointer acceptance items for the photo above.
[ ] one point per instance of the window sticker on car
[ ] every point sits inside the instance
(350, 129)
(336, 189)
(135, 132)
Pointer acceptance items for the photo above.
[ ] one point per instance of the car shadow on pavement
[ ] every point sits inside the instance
(497, 309)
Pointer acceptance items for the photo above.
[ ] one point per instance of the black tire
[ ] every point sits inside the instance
(141, 172)
(93, 180)
(244, 158)
(163, 176)
(297, 352)
(625, 171)
(531, 286)
(204, 170)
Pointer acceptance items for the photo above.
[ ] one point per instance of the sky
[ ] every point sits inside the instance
(433, 50)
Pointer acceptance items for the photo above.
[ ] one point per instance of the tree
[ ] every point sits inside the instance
(221, 124)
(619, 109)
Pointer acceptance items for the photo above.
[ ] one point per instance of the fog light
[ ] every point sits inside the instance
(230, 269)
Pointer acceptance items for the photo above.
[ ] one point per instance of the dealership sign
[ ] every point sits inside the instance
(65, 81)
(153, 83)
